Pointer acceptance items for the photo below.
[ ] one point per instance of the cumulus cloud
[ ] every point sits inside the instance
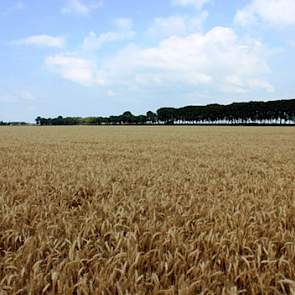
(195, 3)
(235, 84)
(74, 68)
(80, 7)
(176, 25)
(219, 59)
(198, 59)
(42, 41)
(123, 32)
(93, 41)
(274, 12)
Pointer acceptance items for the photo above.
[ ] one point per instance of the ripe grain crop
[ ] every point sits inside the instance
(147, 210)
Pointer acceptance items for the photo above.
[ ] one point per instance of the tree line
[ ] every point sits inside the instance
(13, 123)
(125, 118)
(244, 113)
(253, 112)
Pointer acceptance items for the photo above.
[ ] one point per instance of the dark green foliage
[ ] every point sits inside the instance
(126, 118)
(251, 113)
(270, 112)
(13, 123)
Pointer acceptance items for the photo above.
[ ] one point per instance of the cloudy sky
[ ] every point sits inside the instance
(102, 57)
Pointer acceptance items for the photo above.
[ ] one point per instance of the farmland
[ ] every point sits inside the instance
(147, 210)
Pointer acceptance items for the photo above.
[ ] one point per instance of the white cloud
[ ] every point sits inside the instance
(42, 41)
(196, 60)
(195, 3)
(124, 32)
(92, 41)
(275, 12)
(176, 25)
(235, 84)
(74, 68)
(218, 59)
(80, 7)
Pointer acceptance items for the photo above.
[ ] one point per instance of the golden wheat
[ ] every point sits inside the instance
(147, 210)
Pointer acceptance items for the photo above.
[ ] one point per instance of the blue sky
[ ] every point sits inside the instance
(102, 57)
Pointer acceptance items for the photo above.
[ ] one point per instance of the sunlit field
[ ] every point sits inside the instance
(147, 210)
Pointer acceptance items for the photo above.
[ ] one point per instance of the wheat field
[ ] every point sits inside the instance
(147, 210)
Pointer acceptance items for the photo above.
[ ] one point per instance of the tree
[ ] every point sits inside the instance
(151, 117)
(38, 120)
(127, 118)
(167, 115)
(141, 119)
